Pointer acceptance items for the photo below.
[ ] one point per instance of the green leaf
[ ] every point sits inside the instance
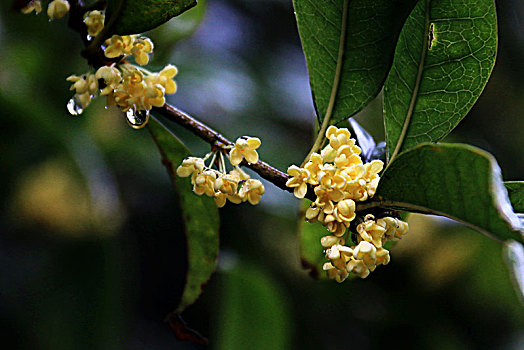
(138, 16)
(200, 216)
(444, 57)
(454, 180)
(312, 254)
(349, 49)
(254, 312)
(516, 195)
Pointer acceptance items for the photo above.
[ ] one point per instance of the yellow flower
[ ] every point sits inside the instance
(372, 232)
(111, 76)
(94, 21)
(298, 180)
(336, 228)
(371, 176)
(85, 87)
(130, 93)
(382, 257)
(164, 78)
(252, 190)
(333, 273)
(328, 154)
(153, 96)
(339, 255)
(205, 183)
(329, 177)
(57, 9)
(83, 99)
(331, 240)
(79, 83)
(190, 166)
(239, 173)
(395, 228)
(314, 166)
(245, 148)
(402, 229)
(34, 5)
(358, 267)
(345, 211)
(227, 183)
(340, 137)
(141, 47)
(118, 45)
(315, 213)
(366, 252)
(346, 157)
(220, 199)
(326, 197)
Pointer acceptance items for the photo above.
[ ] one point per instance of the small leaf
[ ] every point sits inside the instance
(516, 195)
(454, 180)
(311, 251)
(200, 216)
(138, 16)
(444, 57)
(349, 47)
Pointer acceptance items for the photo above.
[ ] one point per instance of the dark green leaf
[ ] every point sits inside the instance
(253, 312)
(454, 180)
(371, 29)
(138, 16)
(443, 59)
(200, 216)
(516, 195)
(311, 251)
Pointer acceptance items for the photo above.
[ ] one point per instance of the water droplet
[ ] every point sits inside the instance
(89, 37)
(74, 107)
(137, 119)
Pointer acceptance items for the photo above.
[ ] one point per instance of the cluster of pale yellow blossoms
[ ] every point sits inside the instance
(55, 9)
(364, 257)
(235, 185)
(340, 179)
(130, 87)
(126, 86)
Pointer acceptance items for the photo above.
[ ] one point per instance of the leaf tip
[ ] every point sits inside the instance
(182, 331)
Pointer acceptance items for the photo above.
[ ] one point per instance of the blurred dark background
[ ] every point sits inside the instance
(92, 255)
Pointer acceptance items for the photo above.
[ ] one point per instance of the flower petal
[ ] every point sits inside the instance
(235, 157)
(251, 156)
(301, 190)
(253, 142)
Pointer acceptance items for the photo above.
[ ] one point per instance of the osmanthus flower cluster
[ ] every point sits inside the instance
(130, 87)
(362, 258)
(235, 185)
(340, 179)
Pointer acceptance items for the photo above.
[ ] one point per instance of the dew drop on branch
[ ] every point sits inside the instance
(137, 119)
(74, 107)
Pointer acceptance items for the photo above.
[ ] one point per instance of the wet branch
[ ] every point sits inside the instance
(95, 57)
